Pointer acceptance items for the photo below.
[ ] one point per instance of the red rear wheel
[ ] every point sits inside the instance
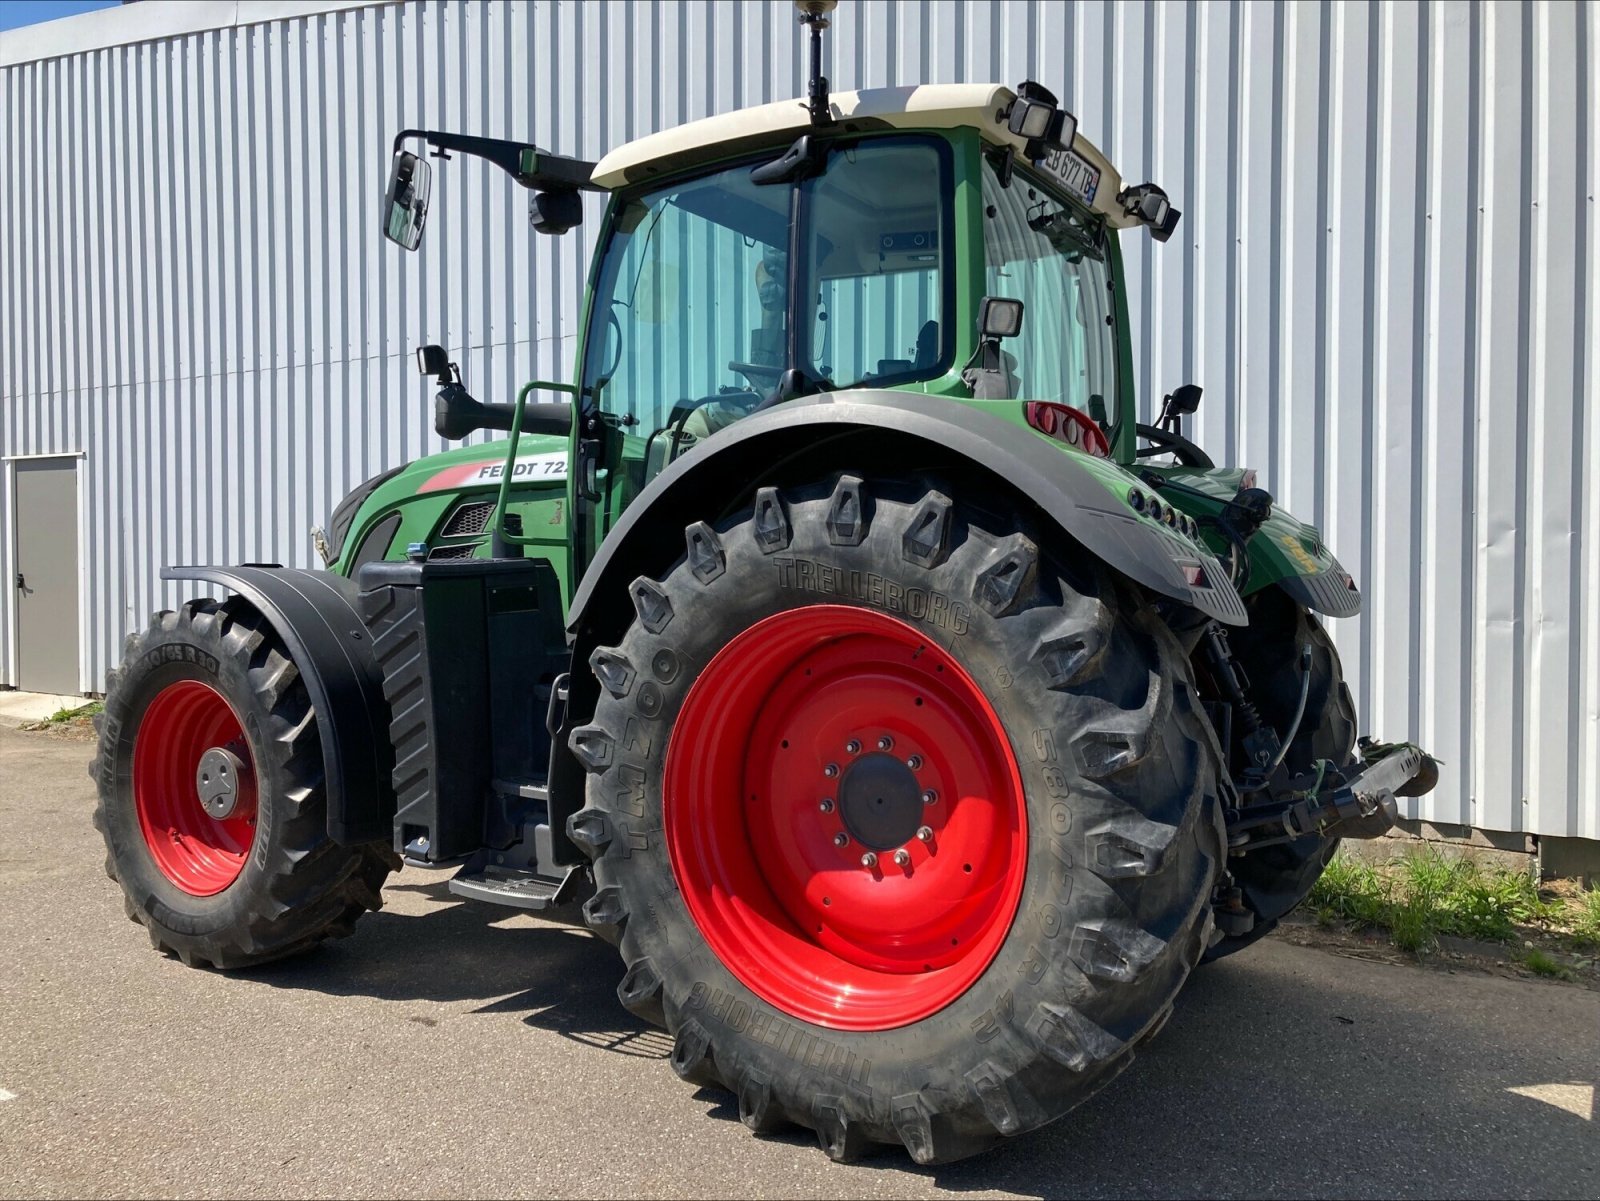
(906, 830)
(188, 745)
(845, 818)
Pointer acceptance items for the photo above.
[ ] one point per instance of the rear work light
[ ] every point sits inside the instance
(1069, 425)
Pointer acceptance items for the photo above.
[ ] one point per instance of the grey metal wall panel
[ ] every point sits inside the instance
(1386, 280)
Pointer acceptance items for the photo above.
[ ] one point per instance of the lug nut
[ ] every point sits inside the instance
(885, 743)
(826, 804)
(870, 859)
(831, 770)
(925, 833)
(901, 858)
(853, 747)
(914, 763)
(841, 840)
(930, 797)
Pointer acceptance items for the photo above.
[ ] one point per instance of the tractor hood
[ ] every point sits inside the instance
(420, 502)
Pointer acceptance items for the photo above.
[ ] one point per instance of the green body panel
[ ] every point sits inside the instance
(1284, 547)
(426, 492)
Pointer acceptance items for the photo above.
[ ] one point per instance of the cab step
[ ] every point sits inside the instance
(518, 888)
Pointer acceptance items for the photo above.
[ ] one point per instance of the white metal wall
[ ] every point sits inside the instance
(1385, 279)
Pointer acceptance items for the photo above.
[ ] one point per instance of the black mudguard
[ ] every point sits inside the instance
(1328, 592)
(921, 429)
(316, 615)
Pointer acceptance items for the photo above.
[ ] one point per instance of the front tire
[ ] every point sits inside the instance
(209, 703)
(1014, 723)
(1276, 879)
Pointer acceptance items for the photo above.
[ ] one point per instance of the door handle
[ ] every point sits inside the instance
(21, 583)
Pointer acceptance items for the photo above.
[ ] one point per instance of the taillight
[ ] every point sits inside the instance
(1069, 425)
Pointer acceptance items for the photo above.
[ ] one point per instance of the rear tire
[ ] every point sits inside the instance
(1109, 857)
(1275, 880)
(266, 881)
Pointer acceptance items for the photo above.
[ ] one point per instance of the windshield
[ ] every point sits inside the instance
(698, 314)
(1046, 254)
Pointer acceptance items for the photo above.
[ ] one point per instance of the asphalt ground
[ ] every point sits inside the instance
(452, 1049)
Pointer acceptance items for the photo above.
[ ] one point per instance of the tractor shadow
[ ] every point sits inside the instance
(552, 972)
(1283, 1071)
(1292, 1072)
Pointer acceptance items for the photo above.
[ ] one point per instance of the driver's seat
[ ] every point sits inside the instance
(927, 346)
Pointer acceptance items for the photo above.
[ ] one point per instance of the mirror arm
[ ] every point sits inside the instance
(523, 161)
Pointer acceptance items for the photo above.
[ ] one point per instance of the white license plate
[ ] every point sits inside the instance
(1072, 172)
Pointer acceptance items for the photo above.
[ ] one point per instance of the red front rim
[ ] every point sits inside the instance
(198, 853)
(790, 761)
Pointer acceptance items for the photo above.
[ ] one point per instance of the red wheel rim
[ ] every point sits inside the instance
(198, 853)
(807, 726)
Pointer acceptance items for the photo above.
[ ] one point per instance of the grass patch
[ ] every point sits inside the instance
(1422, 894)
(65, 714)
(1585, 918)
(1542, 964)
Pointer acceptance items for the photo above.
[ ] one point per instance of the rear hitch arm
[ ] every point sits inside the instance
(1361, 807)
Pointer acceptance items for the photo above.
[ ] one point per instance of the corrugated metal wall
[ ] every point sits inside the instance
(1385, 280)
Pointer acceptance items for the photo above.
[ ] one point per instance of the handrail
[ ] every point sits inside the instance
(498, 522)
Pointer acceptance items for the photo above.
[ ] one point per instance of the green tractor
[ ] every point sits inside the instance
(838, 643)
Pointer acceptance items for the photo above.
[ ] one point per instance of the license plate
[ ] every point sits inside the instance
(1072, 172)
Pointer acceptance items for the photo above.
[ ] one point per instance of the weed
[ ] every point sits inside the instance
(1541, 964)
(65, 714)
(1584, 915)
(1422, 894)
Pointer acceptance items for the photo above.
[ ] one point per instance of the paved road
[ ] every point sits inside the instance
(452, 1049)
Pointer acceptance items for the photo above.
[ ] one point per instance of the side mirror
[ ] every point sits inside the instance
(405, 204)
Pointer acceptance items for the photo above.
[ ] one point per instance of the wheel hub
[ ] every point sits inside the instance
(218, 780)
(880, 801)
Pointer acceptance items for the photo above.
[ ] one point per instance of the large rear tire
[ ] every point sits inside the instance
(208, 702)
(1275, 880)
(846, 672)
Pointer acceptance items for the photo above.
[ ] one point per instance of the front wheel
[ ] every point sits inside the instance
(906, 829)
(1276, 879)
(211, 798)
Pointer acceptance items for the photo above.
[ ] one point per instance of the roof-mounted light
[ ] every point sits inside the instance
(1150, 205)
(1037, 117)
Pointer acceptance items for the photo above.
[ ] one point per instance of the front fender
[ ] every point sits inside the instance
(315, 614)
(1083, 497)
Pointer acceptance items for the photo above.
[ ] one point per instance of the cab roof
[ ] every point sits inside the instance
(926, 106)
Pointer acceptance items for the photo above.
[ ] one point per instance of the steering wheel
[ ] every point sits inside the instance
(1165, 442)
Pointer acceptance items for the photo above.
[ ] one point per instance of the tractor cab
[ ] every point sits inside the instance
(957, 241)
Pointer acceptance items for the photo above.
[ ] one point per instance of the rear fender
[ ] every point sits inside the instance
(899, 432)
(315, 614)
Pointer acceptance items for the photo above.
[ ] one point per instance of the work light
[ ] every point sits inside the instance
(1036, 116)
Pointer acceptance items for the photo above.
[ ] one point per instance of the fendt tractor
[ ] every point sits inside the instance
(839, 644)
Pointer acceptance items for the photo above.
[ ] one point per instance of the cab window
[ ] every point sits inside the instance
(1051, 256)
(699, 312)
